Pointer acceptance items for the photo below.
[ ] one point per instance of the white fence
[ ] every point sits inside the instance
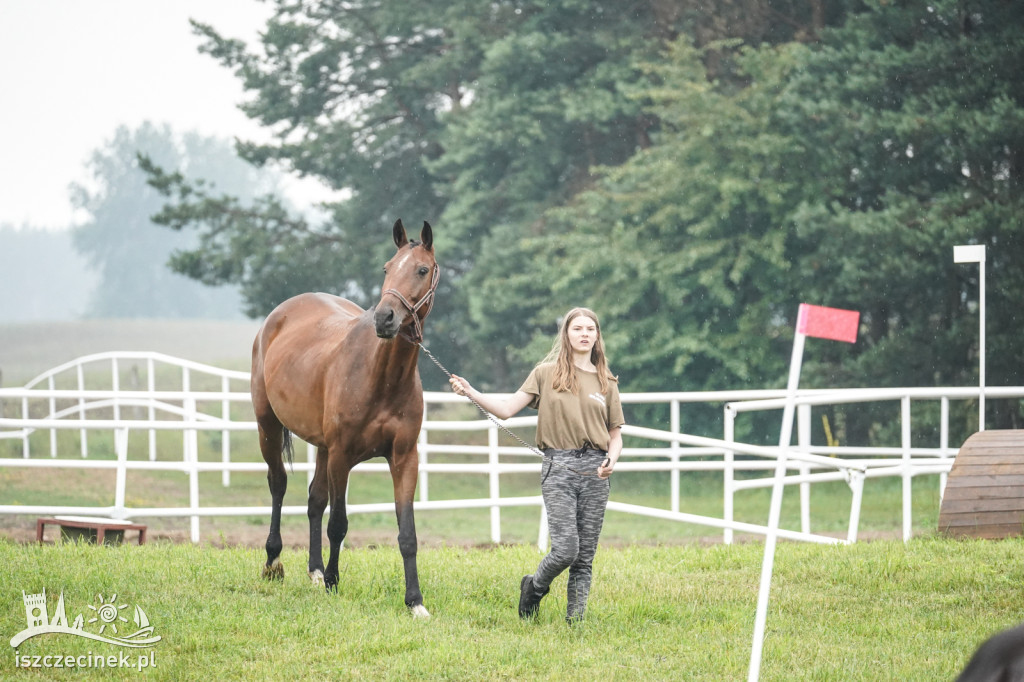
(201, 398)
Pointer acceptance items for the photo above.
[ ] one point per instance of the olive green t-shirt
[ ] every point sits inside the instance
(564, 420)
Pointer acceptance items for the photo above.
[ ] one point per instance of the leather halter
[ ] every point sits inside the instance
(417, 333)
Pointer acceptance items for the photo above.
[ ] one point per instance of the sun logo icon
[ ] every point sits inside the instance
(108, 613)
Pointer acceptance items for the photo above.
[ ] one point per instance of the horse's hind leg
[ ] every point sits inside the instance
(337, 522)
(272, 447)
(315, 512)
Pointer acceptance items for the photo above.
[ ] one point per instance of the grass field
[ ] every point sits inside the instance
(871, 611)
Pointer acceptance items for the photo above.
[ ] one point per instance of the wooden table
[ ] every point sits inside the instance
(97, 524)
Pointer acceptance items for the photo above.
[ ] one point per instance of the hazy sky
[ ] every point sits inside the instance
(71, 71)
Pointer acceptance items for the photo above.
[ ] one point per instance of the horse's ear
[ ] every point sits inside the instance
(427, 236)
(398, 231)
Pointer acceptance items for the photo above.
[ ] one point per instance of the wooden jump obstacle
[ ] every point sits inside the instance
(984, 496)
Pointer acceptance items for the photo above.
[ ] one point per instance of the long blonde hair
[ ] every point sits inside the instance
(564, 378)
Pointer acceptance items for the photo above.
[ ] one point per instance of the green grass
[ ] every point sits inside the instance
(870, 611)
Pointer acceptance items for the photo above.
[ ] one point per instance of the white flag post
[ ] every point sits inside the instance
(975, 253)
(830, 323)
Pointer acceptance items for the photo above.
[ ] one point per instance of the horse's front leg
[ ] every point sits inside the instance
(404, 470)
(337, 523)
(318, 496)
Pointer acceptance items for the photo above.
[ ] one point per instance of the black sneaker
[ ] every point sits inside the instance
(529, 600)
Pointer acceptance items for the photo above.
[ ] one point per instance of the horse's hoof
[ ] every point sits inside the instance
(317, 577)
(274, 571)
(419, 611)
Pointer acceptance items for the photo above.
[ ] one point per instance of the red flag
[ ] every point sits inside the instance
(828, 323)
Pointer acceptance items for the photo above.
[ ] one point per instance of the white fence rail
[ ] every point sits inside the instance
(202, 399)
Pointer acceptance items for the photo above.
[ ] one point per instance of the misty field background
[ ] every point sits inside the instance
(29, 348)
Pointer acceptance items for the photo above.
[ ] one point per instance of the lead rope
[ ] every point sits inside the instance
(531, 448)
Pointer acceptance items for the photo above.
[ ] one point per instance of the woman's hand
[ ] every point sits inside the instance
(614, 450)
(502, 408)
(459, 385)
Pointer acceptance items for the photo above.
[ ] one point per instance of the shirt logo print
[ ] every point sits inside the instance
(598, 397)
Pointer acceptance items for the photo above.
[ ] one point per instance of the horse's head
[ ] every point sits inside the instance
(410, 279)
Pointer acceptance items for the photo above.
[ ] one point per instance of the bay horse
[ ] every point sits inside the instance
(346, 380)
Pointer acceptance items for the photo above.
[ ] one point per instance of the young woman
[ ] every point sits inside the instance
(579, 429)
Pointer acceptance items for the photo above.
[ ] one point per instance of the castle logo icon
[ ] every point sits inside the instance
(107, 617)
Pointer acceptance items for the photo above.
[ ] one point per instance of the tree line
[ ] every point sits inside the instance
(690, 170)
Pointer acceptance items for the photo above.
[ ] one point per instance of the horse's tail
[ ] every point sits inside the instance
(286, 446)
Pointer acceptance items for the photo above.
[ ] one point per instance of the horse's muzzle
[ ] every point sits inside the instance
(386, 322)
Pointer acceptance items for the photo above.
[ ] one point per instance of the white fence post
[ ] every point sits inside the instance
(81, 409)
(151, 387)
(424, 482)
(311, 461)
(495, 491)
(943, 441)
(24, 438)
(115, 381)
(53, 410)
(729, 473)
(191, 452)
(674, 456)
(907, 471)
(225, 435)
(803, 436)
(121, 449)
(857, 487)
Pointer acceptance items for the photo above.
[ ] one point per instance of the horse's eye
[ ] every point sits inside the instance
(424, 270)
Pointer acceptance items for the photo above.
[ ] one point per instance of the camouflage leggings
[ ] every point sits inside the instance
(575, 506)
